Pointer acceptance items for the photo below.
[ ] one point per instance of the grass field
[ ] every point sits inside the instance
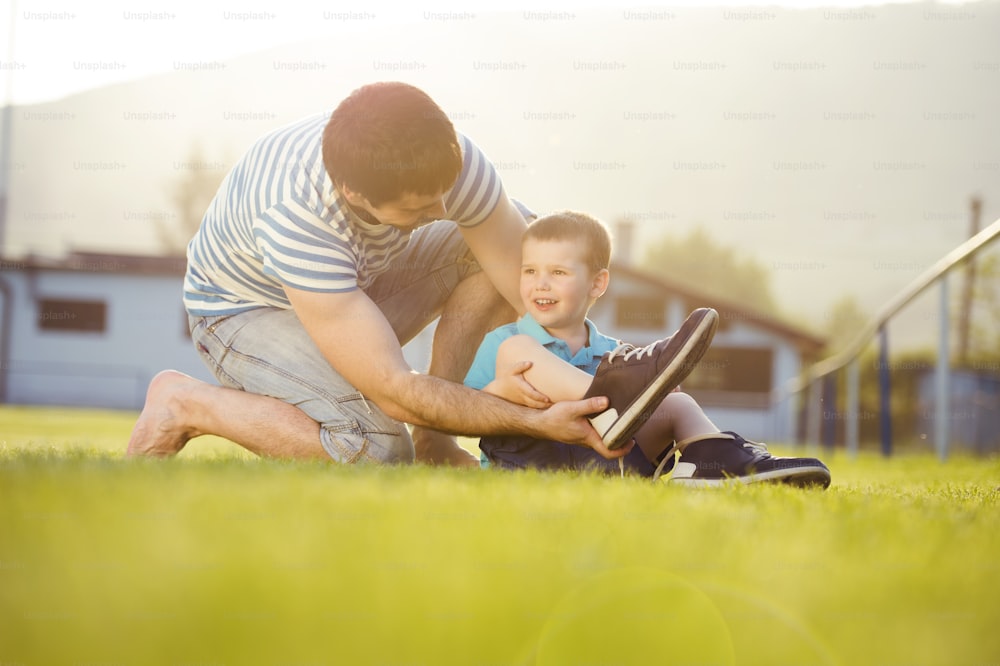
(219, 558)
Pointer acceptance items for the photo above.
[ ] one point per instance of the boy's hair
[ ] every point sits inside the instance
(573, 226)
(387, 139)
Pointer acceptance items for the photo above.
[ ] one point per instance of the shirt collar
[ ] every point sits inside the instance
(529, 326)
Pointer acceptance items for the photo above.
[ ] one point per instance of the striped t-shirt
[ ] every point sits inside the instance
(278, 220)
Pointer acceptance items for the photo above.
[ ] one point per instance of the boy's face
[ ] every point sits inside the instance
(557, 286)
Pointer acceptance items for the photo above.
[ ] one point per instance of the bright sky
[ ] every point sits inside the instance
(54, 48)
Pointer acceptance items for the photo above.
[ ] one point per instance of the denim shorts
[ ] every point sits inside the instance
(267, 351)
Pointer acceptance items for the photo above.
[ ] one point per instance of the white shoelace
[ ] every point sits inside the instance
(627, 351)
(757, 448)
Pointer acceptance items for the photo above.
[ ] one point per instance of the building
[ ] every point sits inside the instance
(739, 382)
(92, 330)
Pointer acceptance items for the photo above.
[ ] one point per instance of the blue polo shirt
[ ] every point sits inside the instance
(484, 365)
(483, 369)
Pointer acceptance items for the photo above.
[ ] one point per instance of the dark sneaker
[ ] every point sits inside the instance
(665, 462)
(635, 379)
(730, 458)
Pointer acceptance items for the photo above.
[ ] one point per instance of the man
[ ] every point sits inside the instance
(329, 245)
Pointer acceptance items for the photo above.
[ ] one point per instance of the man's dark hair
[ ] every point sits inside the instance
(579, 227)
(387, 139)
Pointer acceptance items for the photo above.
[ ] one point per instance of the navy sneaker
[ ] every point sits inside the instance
(636, 379)
(665, 462)
(728, 458)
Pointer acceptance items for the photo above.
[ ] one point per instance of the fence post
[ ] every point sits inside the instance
(853, 404)
(813, 409)
(941, 377)
(885, 391)
(830, 412)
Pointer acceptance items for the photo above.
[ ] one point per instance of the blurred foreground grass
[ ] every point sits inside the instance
(219, 558)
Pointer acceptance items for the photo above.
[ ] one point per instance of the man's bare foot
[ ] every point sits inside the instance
(436, 448)
(160, 431)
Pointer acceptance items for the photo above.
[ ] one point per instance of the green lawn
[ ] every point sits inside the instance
(219, 558)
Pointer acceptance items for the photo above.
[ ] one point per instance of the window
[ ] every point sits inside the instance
(72, 315)
(737, 369)
(639, 312)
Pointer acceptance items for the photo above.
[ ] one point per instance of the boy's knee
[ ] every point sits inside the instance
(516, 347)
(679, 400)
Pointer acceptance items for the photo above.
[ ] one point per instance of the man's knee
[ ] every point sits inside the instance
(477, 304)
(499, 310)
(352, 446)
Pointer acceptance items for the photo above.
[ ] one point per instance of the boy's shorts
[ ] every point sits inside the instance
(519, 452)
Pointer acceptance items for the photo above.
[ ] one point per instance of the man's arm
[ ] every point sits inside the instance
(357, 340)
(496, 244)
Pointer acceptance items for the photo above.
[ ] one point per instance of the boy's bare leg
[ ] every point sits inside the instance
(473, 309)
(179, 407)
(677, 418)
(548, 373)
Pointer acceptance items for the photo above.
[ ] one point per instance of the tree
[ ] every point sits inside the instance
(191, 194)
(984, 339)
(702, 263)
(843, 323)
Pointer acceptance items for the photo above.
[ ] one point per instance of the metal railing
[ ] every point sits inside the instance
(812, 379)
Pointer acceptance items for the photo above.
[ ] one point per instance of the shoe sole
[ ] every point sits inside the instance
(804, 477)
(680, 366)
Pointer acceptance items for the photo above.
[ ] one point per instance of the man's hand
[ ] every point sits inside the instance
(567, 422)
(513, 387)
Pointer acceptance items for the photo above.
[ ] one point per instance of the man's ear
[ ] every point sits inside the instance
(600, 283)
(354, 198)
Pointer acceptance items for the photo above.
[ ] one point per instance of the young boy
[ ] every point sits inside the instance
(564, 270)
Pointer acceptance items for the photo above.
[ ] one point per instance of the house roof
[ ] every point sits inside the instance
(99, 262)
(728, 310)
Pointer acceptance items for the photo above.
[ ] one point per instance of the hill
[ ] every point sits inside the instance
(838, 146)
